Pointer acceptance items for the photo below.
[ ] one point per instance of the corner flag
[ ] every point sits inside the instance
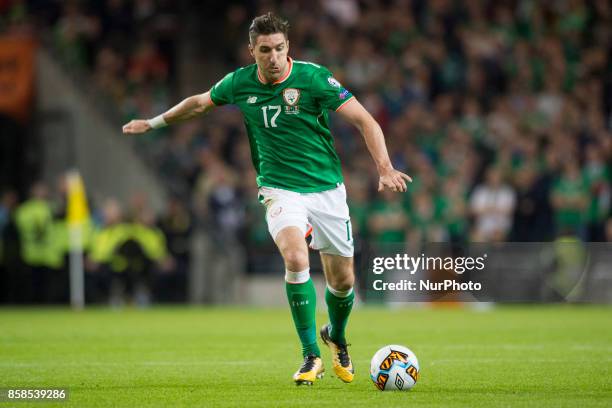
(77, 211)
(77, 214)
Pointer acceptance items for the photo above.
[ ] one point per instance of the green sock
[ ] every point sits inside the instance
(303, 303)
(339, 309)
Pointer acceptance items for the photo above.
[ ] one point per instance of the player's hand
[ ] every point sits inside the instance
(136, 127)
(393, 180)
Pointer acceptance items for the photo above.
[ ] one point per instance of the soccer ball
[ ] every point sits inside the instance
(394, 368)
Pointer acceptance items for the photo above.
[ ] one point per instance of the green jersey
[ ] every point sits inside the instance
(287, 124)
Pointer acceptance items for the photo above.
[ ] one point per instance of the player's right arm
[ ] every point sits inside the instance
(188, 108)
(220, 94)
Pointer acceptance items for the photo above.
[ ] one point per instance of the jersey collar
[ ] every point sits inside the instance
(279, 80)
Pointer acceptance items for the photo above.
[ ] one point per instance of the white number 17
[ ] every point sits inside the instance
(274, 116)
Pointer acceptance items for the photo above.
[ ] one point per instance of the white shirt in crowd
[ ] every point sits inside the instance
(493, 207)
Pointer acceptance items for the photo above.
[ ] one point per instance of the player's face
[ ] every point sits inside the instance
(270, 53)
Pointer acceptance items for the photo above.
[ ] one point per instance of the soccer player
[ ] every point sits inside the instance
(285, 105)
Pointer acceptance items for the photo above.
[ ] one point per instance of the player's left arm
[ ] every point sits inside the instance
(353, 112)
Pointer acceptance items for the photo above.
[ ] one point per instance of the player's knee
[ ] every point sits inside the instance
(342, 283)
(295, 259)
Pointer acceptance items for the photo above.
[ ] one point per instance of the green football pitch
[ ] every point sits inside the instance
(540, 356)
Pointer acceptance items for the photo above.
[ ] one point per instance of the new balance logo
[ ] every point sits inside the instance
(251, 99)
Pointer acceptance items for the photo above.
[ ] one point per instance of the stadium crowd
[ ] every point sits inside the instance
(500, 111)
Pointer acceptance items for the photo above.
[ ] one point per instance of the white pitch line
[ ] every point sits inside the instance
(485, 360)
(586, 347)
(123, 364)
(513, 360)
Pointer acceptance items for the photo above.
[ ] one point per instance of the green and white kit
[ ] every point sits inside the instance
(292, 148)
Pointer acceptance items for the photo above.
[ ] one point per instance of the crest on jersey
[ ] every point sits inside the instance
(291, 96)
(334, 82)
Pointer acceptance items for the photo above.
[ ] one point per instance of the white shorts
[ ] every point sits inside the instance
(326, 211)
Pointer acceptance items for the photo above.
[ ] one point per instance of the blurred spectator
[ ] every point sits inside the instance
(345, 12)
(11, 279)
(108, 70)
(125, 257)
(452, 209)
(217, 196)
(492, 204)
(359, 207)
(532, 219)
(426, 226)
(177, 225)
(147, 65)
(146, 253)
(597, 176)
(76, 33)
(570, 200)
(8, 203)
(41, 250)
(101, 262)
(388, 220)
(608, 229)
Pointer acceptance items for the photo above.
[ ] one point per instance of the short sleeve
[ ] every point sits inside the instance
(222, 92)
(328, 91)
